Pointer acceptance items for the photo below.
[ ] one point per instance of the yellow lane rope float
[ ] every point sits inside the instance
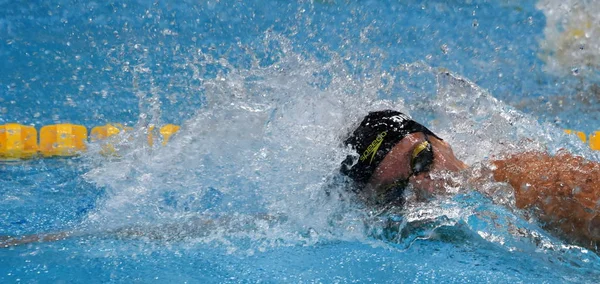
(18, 141)
(63, 140)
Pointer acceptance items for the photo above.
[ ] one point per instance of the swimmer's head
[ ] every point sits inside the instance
(373, 139)
(393, 151)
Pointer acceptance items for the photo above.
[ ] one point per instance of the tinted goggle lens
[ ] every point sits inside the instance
(422, 158)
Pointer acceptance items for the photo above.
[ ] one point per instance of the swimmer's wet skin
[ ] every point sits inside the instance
(562, 191)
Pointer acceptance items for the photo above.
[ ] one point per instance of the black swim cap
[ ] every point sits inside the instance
(377, 134)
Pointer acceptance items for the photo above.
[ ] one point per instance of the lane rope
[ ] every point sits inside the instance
(19, 141)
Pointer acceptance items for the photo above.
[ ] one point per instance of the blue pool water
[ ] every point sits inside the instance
(263, 92)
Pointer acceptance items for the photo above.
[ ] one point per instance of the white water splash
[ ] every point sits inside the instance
(268, 141)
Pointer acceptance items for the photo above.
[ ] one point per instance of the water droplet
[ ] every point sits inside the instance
(444, 48)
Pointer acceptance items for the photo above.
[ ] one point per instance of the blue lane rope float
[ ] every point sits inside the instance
(19, 141)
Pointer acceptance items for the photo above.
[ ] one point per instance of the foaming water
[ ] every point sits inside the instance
(254, 162)
(267, 140)
(473, 117)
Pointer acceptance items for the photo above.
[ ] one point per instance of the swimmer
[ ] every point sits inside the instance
(395, 152)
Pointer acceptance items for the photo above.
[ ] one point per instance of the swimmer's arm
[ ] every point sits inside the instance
(196, 227)
(169, 231)
(9, 241)
(562, 191)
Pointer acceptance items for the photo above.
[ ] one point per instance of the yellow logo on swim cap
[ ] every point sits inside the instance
(372, 149)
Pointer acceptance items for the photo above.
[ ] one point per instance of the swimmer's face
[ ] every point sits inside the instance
(397, 166)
